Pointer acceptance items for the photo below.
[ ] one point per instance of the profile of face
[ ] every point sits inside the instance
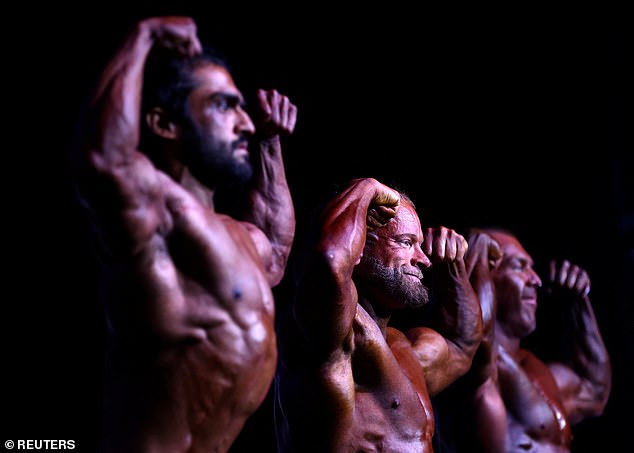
(215, 135)
(516, 286)
(393, 261)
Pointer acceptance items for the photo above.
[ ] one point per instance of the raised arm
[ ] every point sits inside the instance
(585, 379)
(488, 413)
(121, 184)
(483, 255)
(447, 352)
(327, 298)
(116, 104)
(269, 205)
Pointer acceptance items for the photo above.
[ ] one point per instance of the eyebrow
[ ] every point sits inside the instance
(232, 99)
(411, 236)
(521, 261)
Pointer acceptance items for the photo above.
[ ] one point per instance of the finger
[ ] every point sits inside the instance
(462, 246)
(195, 48)
(573, 275)
(275, 106)
(472, 257)
(386, 197)
(583, 283)
(373, 223)
(292, 118)
(563, 272)
(451, 246)
(440, 244)
(428, 238)
(474, 242)
(264, 103)
(284, 105)
(552, 270)
(385, 211)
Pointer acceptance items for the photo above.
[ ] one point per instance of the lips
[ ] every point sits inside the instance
(529, 299)
(415, 275)
(241, 148)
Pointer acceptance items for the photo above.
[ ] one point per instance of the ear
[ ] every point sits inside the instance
(159, 123)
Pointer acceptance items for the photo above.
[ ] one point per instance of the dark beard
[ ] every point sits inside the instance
(400, 288)
(211, 161)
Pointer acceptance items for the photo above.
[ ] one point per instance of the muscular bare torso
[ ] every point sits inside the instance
(370, 398)
(191, 341)
(540, 425)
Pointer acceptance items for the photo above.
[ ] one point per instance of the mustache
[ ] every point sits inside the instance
(415, 272)
(241, 142)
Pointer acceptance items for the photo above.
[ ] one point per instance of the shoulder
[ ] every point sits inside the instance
(257, 237)
(536, 368)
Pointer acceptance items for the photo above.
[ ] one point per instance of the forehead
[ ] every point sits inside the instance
(211, 78)
(511, 247)
(406, 221)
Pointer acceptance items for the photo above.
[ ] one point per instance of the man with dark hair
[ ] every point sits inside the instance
(347, 382)
(191, 347)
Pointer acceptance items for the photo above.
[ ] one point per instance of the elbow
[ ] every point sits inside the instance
(334, 261)
(603, 392)
(601, 387)
(463, 356)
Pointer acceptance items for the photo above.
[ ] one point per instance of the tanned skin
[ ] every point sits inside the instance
(543, 400)
(347, 381)
(511, 401)
(188, 290)
(471, 417)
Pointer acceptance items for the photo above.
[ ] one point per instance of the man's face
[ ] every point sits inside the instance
(392, 263)
(516, 286)
(215, 136)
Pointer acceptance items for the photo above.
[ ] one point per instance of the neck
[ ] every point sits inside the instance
(172, 164)
(509, 342)
(201, 192)
(381, 317)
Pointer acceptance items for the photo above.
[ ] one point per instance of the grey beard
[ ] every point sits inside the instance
(409, 293)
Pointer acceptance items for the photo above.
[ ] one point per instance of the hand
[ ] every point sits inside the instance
(484, 253)
(483, 256)
(279, 115)
(383, 207)
(175, 33)
(568, 276)
(444, 245)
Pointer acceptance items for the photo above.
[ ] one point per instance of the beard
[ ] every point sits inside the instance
(212, 161)
(400, 288)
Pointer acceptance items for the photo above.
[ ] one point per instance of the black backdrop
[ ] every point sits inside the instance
(507, 116)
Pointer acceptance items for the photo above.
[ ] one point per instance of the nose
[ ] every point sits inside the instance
(419, 259)
(244, 125)
(534, 279)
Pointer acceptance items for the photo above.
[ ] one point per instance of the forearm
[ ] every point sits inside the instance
(328, 297)
(270, 206)
(460, 314)
(590, 358)
(115, 106)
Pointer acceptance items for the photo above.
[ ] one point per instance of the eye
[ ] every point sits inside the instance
(221, 104)
(406, 242)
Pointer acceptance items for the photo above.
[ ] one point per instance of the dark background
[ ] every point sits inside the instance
(512, 117)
